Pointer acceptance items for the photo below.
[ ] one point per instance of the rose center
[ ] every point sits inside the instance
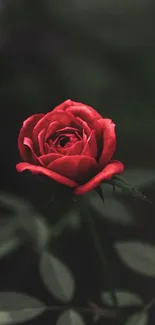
(64, 138)
(64, 141)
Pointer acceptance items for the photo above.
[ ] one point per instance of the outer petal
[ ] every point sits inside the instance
(109, 140)
(78, 168)
(63, 106)
(87, 107)
(70, 103)
(115, 167)
(85, 112)
(26, 131)
(42, 170)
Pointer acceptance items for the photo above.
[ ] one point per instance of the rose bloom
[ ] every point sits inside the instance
(72, 144)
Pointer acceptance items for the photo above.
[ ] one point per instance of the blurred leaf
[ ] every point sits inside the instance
(22, 212)
(70, 317)
(23, 217)
(141, 318)
(9, 246)
(15, 204)
(124, 299)
(57, 277)
(114, 208)
(42, 231)
(18, 307)
(8, 228)
(75, 220)
(138, 256)
(139, 177)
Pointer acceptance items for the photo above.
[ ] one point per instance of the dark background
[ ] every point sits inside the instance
(98, 52)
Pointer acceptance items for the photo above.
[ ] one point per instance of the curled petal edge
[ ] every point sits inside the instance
(42, 170)
(114, 167)
(109, 138)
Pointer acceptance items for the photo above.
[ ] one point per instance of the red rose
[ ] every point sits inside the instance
(72, 145)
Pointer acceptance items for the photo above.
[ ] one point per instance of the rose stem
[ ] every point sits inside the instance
(98, 246)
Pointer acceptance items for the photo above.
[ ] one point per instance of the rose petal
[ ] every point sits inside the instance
(90, 148)
(52, 128)
(85, 112)
(76, 148)
(109, 140)
(47, 159)
(62, 118)
(26, 131)
(115, 167)
(41, 139)
(67, 103)
(67, 130)
(91, 109)
(91, 125)
(76, 167)
(28, 143)
(84, 126)
(63, 106)
(63, 134)
(49, 148)
(42, 170)
(84, 137)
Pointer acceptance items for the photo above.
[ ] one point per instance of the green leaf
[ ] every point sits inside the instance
(124, 298)
(141, 318)
(138, 256)
(23, 218)
(56, 277)
(18, 307)
(42, 231)
(70, 317)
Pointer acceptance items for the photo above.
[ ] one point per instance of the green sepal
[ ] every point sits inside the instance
(100, 193)
(127, 188)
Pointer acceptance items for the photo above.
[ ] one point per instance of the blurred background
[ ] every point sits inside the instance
(101, 53)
